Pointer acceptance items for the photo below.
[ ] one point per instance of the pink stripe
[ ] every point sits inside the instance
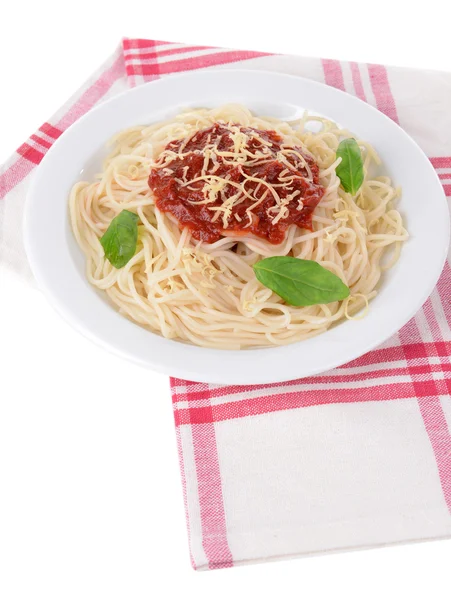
(414, 350)
(332, 379)
(30, 153)
(434, 419)
(41, 141)
(443, 288)
(447, 189)
(93, 94)
(382, 92)
(211, 503)
(431, 319)
(441, 162)
(357, 81)
(140, 55)
(434, 327)
(138, 43)
(196, 62)
(185, 499)
(418, 351)
(444, 175)
(50, 130)
(14, 175)
(440, 438)
(290, 400)
(134, 70)
(333, 74)
(409, 335)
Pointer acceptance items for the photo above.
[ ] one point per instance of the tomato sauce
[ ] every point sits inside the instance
(187, 202)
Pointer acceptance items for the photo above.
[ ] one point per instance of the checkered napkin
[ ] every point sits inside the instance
(356, 457)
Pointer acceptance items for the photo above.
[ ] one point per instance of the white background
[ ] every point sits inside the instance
(90, 497)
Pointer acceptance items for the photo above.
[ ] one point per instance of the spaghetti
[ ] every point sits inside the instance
(202, 288)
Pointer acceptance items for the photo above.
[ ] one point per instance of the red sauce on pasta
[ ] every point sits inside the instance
(233, 180)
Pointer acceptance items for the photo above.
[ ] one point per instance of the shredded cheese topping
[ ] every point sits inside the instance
(247, 149)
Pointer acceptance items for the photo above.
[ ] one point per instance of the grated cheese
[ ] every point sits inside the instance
(214, 187)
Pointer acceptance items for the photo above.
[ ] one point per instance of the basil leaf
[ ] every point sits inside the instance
(120, 239)
(300, 282)
(350, 170)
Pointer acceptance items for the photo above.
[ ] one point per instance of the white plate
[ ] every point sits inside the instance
(59, 266)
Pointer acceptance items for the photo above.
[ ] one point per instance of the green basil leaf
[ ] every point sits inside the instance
(300, 282)
(120, 239)
(350, 170)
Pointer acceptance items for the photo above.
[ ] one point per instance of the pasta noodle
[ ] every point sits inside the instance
(207, 293)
